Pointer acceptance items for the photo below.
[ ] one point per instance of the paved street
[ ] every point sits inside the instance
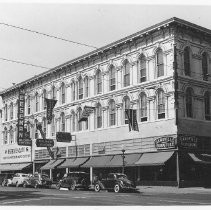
(41, 197)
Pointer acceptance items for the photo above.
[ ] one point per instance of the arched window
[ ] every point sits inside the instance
(53, 126)
(44, 126)
(28, 105)
(160, 65)
(86, 82)
(126, 104)
(189, 102)
(112, 78)
(143, 107)
(80, 88)
(204, 66)
(5, 112)
(142, 69)
(112, 113)
(161, 104)
(11, 111)
(44, 96)
(187, 61)
(98, 112)
(5, 136)
(73, 91)
(99, 81)
(63, 93)
(54, 93)
(11, 136)
(62, 128)
(73, 121)
(36, 102)
(79, 116)
(126, 73)
(207, 106)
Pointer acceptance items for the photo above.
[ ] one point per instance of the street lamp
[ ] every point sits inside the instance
(123, 159)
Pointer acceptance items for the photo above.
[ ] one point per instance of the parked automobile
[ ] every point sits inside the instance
(38, 180)
(116, 182)
(18, 179)
(74, 180)
(6, 179)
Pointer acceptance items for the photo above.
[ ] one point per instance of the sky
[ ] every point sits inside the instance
(94, 23)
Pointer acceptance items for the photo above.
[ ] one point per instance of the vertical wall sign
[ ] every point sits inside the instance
(21, 109)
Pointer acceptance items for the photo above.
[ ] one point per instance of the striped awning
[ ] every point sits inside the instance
(52, 164)
(14, 166)
(201, 158)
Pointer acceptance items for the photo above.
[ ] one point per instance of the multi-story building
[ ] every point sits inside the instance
(163, 72)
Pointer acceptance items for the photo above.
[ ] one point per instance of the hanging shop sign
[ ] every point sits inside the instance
(63, 137)
(189, 142)
(44, 142)
(166, 142)
(21, 139)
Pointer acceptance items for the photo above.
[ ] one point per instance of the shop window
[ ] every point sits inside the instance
(143, 107)
(86, 82)
(160, 64)
(99, 81)
(187, 61)
(207, 106)
(161, 104)
(126, 104)
(98, 116)
(205, 66)
(112, 78)
(142, 69)
(126, 72)
(80, 88)
(112, 113)
(189, 102)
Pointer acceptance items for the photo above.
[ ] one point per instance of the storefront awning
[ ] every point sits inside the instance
(98, 161)
(79, 161)
(201, 158)
(52, 164)
(130, 159)
(14, 166)
(153, 159)
(67, 163)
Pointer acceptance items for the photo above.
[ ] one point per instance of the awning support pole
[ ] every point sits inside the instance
(178, 171)
(91, 175)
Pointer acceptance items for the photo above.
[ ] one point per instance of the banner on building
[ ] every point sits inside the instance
(132, 119)
(21, 138)
(86, 112)
(50, 103)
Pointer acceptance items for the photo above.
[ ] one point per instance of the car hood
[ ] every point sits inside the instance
(126, 181)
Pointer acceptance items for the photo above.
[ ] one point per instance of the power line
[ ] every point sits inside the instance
(20, 62)
(48, 35)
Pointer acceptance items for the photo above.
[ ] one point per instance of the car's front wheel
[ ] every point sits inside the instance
(58, 186)
(17, 185)
(117, 188)
(97, 188)
(72, 186)
(36, 185)
(24, 185)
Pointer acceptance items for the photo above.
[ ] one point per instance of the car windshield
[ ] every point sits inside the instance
(121, 176)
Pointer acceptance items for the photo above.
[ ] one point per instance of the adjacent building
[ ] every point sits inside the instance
(162, 72)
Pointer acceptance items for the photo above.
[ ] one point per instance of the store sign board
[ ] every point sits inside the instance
(21, 139)
(16, 154)
(166, 142)
(44, 142)
(188, 141)
(63, 137)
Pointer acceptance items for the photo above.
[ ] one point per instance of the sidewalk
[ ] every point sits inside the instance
(173, 190)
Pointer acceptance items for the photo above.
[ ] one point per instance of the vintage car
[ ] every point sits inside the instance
(18, 179)
(116, 182)
(74, 180)
(6, 179)
(38, 180)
